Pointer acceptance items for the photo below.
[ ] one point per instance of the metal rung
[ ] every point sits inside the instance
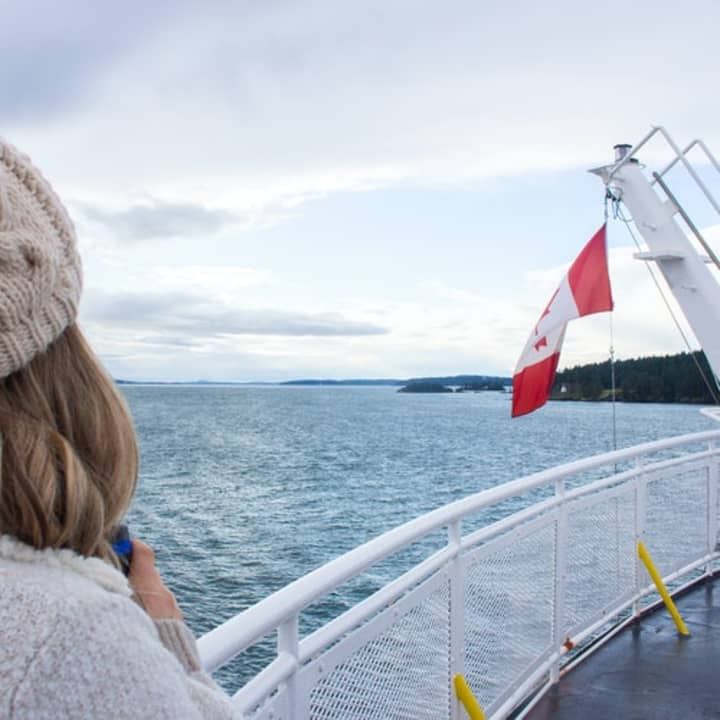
(659, 255)
(667, 255)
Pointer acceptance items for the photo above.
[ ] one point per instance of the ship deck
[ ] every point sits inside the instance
(648, 670)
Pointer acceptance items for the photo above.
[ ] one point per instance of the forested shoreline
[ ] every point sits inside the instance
(666, 379)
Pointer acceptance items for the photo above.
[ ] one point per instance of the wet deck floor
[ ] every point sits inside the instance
(648, 671)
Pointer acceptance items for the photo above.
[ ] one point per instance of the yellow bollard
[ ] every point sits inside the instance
(664, 594)
(465, 696)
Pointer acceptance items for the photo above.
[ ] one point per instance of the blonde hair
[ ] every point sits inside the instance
(69, 452)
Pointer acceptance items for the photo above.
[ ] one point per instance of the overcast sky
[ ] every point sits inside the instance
(279, 189)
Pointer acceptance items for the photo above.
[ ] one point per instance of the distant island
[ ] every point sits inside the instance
(425, 387)
(660, 379)
(456, 383)
(355, 381)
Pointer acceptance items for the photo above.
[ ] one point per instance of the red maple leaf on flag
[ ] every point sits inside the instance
(546, 312)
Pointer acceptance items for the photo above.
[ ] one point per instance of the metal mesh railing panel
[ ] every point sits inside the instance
(714, 480)
(676, 519)
(402, 674)
(396, 664)
(508, 613)
(600, 557)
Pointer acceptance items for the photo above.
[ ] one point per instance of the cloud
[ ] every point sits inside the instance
(53, 56)
(195, 316)
(453, 329)
(157, 219)
(191, 120)
(283, 101)
(165, 341)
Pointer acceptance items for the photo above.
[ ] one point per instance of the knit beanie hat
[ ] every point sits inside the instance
(40, 272)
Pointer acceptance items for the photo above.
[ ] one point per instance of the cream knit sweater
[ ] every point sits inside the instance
(74, 645)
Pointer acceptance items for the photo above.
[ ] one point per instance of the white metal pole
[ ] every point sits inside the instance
(288, 642)
(640, 512)
(457, 616)
(685, 272)
(561, 533)
(713, 481)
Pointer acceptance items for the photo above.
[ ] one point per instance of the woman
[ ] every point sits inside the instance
(77, 639)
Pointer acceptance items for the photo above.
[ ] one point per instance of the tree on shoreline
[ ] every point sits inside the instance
(668, 378)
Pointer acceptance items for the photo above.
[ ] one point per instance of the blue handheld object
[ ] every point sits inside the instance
(122, 547)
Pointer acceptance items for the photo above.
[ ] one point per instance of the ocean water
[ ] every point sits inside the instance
(243, 489)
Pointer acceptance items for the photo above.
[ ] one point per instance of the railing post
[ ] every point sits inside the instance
(288, 642)
(457, 616)
(640, 516)
(560, 579)
(713, 479)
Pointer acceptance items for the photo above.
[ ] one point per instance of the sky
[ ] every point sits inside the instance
(339, 189)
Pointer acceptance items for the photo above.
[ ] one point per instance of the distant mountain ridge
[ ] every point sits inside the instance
(456, 380)
(669, 378)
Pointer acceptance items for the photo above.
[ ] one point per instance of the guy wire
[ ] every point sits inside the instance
(619, 214)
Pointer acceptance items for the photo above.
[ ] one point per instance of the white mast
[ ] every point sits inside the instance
(684, 269)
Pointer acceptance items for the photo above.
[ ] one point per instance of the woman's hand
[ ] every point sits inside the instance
(145, 580)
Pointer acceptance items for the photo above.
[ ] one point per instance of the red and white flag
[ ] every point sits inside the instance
(583, 291)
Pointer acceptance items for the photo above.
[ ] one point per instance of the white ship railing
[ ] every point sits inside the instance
(530, 571)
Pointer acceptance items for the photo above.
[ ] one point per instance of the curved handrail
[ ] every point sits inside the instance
(239, 632)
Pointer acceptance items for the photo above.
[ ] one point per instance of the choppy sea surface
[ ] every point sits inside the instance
(244, 489)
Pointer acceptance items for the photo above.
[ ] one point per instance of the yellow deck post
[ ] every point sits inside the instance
(664, 594)
(466, 697)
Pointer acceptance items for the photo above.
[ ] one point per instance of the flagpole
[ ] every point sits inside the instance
(609, 197)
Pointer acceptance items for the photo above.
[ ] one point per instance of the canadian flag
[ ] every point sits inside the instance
(583, 291)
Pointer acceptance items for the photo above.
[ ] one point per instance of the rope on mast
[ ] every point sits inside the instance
(612, 381)
(609, 196)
